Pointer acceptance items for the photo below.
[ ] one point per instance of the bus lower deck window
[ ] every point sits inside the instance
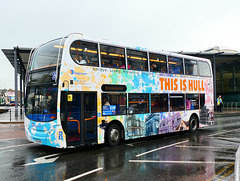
(114, 104)
(138, 103)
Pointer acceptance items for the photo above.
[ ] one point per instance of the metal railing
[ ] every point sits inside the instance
(8, 114)
(231, 106)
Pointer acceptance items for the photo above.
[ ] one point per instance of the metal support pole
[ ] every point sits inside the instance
(237, 164)
(10, 114)
(21, 78)
(214, 81)
(16, 80)
(24, 75)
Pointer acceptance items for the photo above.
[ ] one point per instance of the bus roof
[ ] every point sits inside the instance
(138, 48)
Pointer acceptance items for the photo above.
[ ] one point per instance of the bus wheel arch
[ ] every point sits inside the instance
(114, 133)
(193, 123)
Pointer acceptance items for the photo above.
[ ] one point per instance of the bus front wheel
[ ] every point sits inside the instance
(193, 124)
(113, 135)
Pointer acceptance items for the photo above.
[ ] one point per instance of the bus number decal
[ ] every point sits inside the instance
(60, 135)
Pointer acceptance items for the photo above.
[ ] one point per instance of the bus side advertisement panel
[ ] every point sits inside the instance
(141, 125)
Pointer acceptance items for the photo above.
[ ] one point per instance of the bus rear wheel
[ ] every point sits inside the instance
(193, 124)
(113, 135)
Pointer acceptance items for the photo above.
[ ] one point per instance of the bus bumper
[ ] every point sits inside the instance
(45, 133)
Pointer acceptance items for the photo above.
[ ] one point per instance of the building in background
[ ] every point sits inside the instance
(226, 69)
(7, 97)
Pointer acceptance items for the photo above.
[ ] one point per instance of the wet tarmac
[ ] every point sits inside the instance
(209, 154)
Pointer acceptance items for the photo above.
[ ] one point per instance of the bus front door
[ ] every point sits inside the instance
(80, 120)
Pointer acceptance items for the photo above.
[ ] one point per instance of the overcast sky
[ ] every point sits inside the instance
(171, 25)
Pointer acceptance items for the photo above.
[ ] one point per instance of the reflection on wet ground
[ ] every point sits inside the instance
(208, 154)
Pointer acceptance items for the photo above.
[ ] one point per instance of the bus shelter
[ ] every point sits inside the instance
(18, 57)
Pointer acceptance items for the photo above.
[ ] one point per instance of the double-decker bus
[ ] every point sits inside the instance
(83, 90)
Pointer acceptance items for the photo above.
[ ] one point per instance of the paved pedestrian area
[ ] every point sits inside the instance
(11, 131)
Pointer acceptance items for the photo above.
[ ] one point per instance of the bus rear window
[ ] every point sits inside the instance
(84, 53)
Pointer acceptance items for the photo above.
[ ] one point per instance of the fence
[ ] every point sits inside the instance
(231, 106)
(8, 114)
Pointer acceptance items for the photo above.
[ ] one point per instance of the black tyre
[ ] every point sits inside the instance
(193, 124)
(113, 135)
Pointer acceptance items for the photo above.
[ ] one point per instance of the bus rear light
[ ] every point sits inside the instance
(211, 114)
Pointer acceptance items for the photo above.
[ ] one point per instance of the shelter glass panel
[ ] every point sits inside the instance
(219, 79)
(227, 79)
(237, 77)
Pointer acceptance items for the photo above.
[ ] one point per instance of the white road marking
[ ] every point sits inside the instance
(84, 174)
(224, 132)
(229, 139)
(5, 151)
(44, 159)
(15, 146)
(11, 139)
(179, 162)
(161, 148)
(213, 147)
(134, 143)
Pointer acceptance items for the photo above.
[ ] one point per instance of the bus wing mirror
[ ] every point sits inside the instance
(69, 97)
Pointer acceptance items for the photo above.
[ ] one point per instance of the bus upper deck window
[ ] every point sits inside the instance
(191, 67)
(158, 63)
(137, 60)
(112, 57)
(175, 65)
(204, 69)
(84, 53)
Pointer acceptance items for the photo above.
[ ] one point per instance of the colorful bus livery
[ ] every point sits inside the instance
(86, 91)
